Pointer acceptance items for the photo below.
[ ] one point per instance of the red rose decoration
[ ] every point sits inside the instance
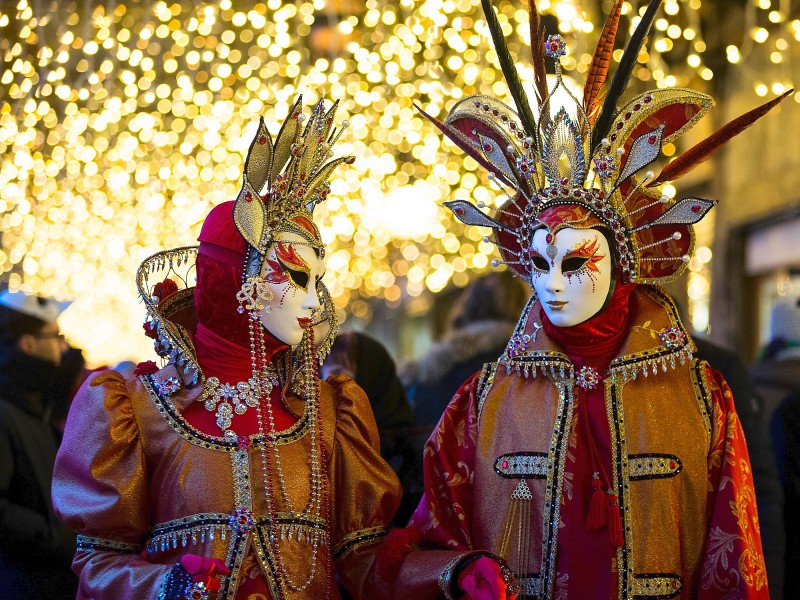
(147, 367)
(150, 330)
(165, 289)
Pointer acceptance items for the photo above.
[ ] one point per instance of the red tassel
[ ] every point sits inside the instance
(614, 522)
(597, 507)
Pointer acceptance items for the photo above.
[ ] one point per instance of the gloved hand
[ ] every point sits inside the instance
(482, 579)
(203, 569)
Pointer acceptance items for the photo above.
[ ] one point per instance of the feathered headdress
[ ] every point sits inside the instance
(581, 169)
(284, 180)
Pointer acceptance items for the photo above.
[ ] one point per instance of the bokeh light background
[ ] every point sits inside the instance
(123, 123)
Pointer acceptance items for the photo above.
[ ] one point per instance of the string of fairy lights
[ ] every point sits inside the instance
(123, 123)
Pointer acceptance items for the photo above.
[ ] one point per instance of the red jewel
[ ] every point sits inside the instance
(262, 140)
(696, 208)
(627, 115)
(350, 160)
(564, 181)
(487, 147)
(672, 464)
(637, 106)
(458, 211)
(652, 139)
(619, 125)
(248, 196)
(549, 238)
(505, 464)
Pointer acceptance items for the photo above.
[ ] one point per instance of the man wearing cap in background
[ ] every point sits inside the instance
(36, 549)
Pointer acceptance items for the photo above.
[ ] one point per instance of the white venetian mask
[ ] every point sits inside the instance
(571, 273)
(292, 270)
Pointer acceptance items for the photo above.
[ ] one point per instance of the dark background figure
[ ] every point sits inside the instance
(769, 492)
(71, 372)
(370, 365)
(777, 379)
(36, 549)
(479, 326)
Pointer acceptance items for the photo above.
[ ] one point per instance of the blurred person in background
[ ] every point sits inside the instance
(35, 547)
(479, 327)
(777, 379)
(755, 424)
(368, 362)
(70, 374)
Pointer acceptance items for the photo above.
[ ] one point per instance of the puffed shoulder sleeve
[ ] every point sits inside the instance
(100, 490)
(365, 490)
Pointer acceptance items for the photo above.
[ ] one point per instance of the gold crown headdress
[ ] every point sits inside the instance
(284, 180)
(581, 171)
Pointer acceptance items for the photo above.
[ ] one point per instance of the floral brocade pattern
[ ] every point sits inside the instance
(735, 558)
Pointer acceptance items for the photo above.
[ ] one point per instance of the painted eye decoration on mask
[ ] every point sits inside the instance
(292, 265)
(583, 257)
(276, 274)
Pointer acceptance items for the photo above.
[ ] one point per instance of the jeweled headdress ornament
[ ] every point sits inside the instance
(284, 180)
(580, 168)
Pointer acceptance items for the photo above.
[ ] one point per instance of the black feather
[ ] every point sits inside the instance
(623, 73)
(510, 71)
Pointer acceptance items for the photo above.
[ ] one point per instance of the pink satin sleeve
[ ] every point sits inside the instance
(100, 490)
(733, 560)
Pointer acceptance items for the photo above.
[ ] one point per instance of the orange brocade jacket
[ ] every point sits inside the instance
(143, 488)
(500, 475)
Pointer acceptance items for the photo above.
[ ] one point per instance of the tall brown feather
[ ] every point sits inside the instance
(537, 52)
(704, 149)
(600, 62)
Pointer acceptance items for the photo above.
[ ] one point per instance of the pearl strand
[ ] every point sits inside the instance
(314, 505)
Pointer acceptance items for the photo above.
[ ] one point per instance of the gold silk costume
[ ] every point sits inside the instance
(142, 488)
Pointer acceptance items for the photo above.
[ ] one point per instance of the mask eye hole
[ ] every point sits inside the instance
(572, 264)
(540, 263)
(298, 278)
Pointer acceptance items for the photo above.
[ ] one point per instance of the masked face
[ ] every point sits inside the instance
(571, 274)
(292, 271)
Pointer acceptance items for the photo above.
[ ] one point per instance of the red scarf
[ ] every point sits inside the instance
(592, 516)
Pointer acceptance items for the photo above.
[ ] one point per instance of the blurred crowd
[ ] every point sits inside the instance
(40, 373)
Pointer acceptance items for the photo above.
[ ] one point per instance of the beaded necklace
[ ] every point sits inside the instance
(313, 508)
(228, 399)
